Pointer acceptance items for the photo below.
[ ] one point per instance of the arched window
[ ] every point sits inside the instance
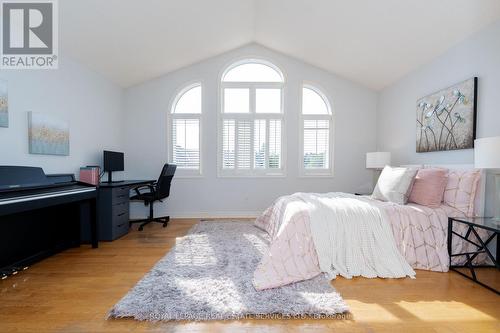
(251, 120)
(316, 133)
(185, 124)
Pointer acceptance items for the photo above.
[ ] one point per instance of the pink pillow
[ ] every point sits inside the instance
(429, 186)
(461, 189)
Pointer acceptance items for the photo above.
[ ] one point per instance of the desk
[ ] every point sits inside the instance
(113, 208)
(122, 183)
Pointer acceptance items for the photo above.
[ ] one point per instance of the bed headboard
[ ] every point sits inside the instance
(480, 199)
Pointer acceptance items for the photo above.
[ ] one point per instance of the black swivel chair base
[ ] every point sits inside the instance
(150, 218)
(163, 219)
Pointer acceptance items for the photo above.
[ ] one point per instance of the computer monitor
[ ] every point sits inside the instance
(113, 161)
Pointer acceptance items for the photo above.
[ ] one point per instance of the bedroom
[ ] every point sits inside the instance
(258, 104)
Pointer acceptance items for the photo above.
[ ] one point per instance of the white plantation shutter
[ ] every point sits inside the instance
(185, 120)
(259, 147)
(237, 150)
(236, 143)
(316, 144)
(185, 143)
(274, 144)
(228, 144)
(251, 119)
(244, 152)
(316, 122)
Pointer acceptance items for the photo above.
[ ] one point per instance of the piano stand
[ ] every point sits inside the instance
(94, 236)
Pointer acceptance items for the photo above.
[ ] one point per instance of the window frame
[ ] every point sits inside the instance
(171, 116)
(316, 172)
(251, 117)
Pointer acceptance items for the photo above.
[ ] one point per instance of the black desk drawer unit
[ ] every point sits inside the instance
(120, 195)
(113, 208)
(113, 212)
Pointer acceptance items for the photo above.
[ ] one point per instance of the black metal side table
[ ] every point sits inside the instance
(481, 243)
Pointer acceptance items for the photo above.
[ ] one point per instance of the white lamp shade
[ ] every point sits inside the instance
(487, 153)
(378, 160)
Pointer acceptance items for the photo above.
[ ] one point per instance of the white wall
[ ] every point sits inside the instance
(147, 104)
(89, 103)
(478, 56)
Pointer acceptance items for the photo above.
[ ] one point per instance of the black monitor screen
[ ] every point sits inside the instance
(113, 161)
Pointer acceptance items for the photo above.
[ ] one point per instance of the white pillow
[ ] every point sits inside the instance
(394, 184)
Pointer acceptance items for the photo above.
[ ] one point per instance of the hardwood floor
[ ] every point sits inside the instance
(72, 292)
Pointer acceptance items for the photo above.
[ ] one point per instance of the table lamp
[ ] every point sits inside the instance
(377, 161)
(487, 156)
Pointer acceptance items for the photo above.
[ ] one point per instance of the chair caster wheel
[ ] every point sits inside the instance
(165, 224)
(141, 228)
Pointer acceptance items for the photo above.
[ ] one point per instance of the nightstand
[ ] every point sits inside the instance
(480, 240)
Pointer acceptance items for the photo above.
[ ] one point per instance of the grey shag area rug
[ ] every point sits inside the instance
(208, 276)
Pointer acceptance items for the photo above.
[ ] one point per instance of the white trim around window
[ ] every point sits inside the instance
(320, 128)
(189, 158)
(251, 142)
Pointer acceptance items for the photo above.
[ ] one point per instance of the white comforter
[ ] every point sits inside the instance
(353, 238)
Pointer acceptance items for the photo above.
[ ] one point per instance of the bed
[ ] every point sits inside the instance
(419, 232)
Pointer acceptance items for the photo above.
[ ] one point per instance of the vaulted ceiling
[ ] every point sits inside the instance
(372, 42)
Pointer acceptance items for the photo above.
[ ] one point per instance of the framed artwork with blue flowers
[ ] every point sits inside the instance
(446, 120)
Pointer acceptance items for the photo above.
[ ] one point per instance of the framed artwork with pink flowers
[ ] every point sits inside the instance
(446, 120)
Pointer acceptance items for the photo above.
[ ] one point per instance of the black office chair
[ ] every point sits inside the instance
(157, 191)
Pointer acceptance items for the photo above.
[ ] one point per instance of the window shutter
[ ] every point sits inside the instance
(244, 144)
(228, 144)
(259, 143)
(316, 144)
(186, 141)
(274, 144)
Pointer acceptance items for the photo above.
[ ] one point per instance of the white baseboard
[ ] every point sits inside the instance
(209, 215)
